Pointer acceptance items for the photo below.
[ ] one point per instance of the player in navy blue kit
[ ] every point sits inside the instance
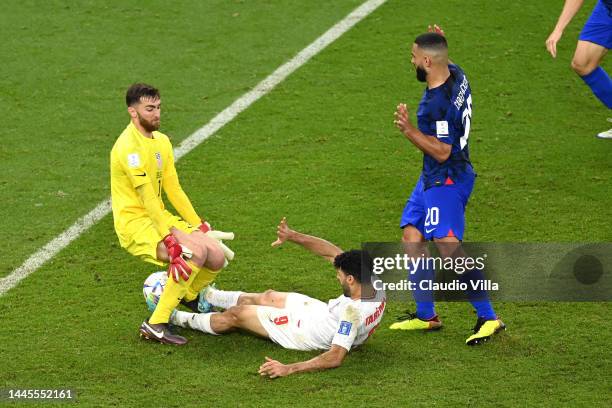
(594, 42)
(436, 207)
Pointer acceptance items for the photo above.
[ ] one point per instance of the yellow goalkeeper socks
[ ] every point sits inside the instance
(172, 295)
(205, 277)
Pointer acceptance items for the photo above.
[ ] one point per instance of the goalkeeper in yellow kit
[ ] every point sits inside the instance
(142, 165)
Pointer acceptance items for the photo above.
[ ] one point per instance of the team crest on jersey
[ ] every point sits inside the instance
(345, 328)
(442, 128)
(133, 160)
(159, 160)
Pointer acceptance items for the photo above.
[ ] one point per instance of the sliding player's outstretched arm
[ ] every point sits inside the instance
(317, 246)
(332, 358)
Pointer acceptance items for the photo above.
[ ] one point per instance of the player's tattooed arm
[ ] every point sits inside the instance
(330, 359)
(317, 246)
(428, 145)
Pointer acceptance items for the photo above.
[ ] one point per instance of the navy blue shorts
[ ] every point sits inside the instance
(598, 28)
(439, 211)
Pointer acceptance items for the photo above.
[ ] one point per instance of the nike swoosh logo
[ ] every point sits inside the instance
(141, 175)
(157, 334)
(429, 230)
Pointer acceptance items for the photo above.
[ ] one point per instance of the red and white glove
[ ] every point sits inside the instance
(219, 236)
(205, 227)
(177, 253)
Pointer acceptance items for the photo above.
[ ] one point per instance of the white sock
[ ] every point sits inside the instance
(196, 321)
(223, 298)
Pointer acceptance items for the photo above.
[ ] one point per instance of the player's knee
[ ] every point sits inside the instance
(224, 322)
(246, 300)
(268, 297)
(198, 254)
(583, 66)
(162, 252)
(411, 234)
(233, 315)
(405, 238)
(214, 257)
(448, 248)
(236, 315)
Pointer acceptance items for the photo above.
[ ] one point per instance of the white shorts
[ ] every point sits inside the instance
(293, 326)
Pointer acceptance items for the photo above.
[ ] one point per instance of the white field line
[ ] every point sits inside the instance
(40, 257)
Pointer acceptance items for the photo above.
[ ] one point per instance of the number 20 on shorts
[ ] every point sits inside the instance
(433, 216)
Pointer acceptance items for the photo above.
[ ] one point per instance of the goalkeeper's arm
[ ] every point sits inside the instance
(151, 204)
(179, 199)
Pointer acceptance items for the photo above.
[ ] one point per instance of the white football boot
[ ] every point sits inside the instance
(607, 134)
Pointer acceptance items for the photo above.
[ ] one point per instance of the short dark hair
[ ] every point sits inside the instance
(432, 41)
(139, 90)
(355, 262)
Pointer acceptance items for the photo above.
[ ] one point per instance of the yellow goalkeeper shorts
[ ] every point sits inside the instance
(143, 238)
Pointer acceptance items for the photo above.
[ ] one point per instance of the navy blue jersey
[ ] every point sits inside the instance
(607, 3)
(445, 112)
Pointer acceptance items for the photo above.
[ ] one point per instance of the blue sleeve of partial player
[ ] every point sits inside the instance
(446, 129)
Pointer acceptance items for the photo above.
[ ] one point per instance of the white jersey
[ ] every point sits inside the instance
(310, 324)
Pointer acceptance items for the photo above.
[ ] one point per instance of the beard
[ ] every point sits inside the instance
(148, 125)
(421, 74)
(346, 290)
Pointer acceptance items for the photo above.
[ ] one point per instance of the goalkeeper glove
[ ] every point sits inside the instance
(219, 236)
(205, 227)
(177, 253)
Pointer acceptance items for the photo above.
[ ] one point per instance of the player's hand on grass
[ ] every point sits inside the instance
(402, 119)
(282, 232)
(273, 369)
(435, 29)
(551, 42)
(178, 268)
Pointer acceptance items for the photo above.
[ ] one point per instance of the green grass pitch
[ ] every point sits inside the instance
(320, 149)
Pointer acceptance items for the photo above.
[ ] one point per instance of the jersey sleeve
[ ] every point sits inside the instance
(179, 199)
(132, 163)
(445, 131)
(173, 189)
(151, 204)
(348, 327)
(169, 169)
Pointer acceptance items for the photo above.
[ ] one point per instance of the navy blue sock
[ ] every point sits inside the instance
(424, 298)
(601, 85)
(478, 297)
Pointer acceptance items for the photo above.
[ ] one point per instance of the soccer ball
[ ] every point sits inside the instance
(153, 288)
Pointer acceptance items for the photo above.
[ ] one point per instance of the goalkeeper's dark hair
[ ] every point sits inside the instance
(351, 262)
(140, 90)
(432, 41)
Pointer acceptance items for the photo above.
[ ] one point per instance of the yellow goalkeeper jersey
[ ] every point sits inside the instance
(134, 161)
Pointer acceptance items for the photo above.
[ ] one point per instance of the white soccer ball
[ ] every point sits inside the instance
(153, 288)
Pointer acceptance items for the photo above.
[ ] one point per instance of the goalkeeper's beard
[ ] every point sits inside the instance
(147, 125)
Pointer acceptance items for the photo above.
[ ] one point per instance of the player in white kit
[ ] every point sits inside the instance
(296, 321)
